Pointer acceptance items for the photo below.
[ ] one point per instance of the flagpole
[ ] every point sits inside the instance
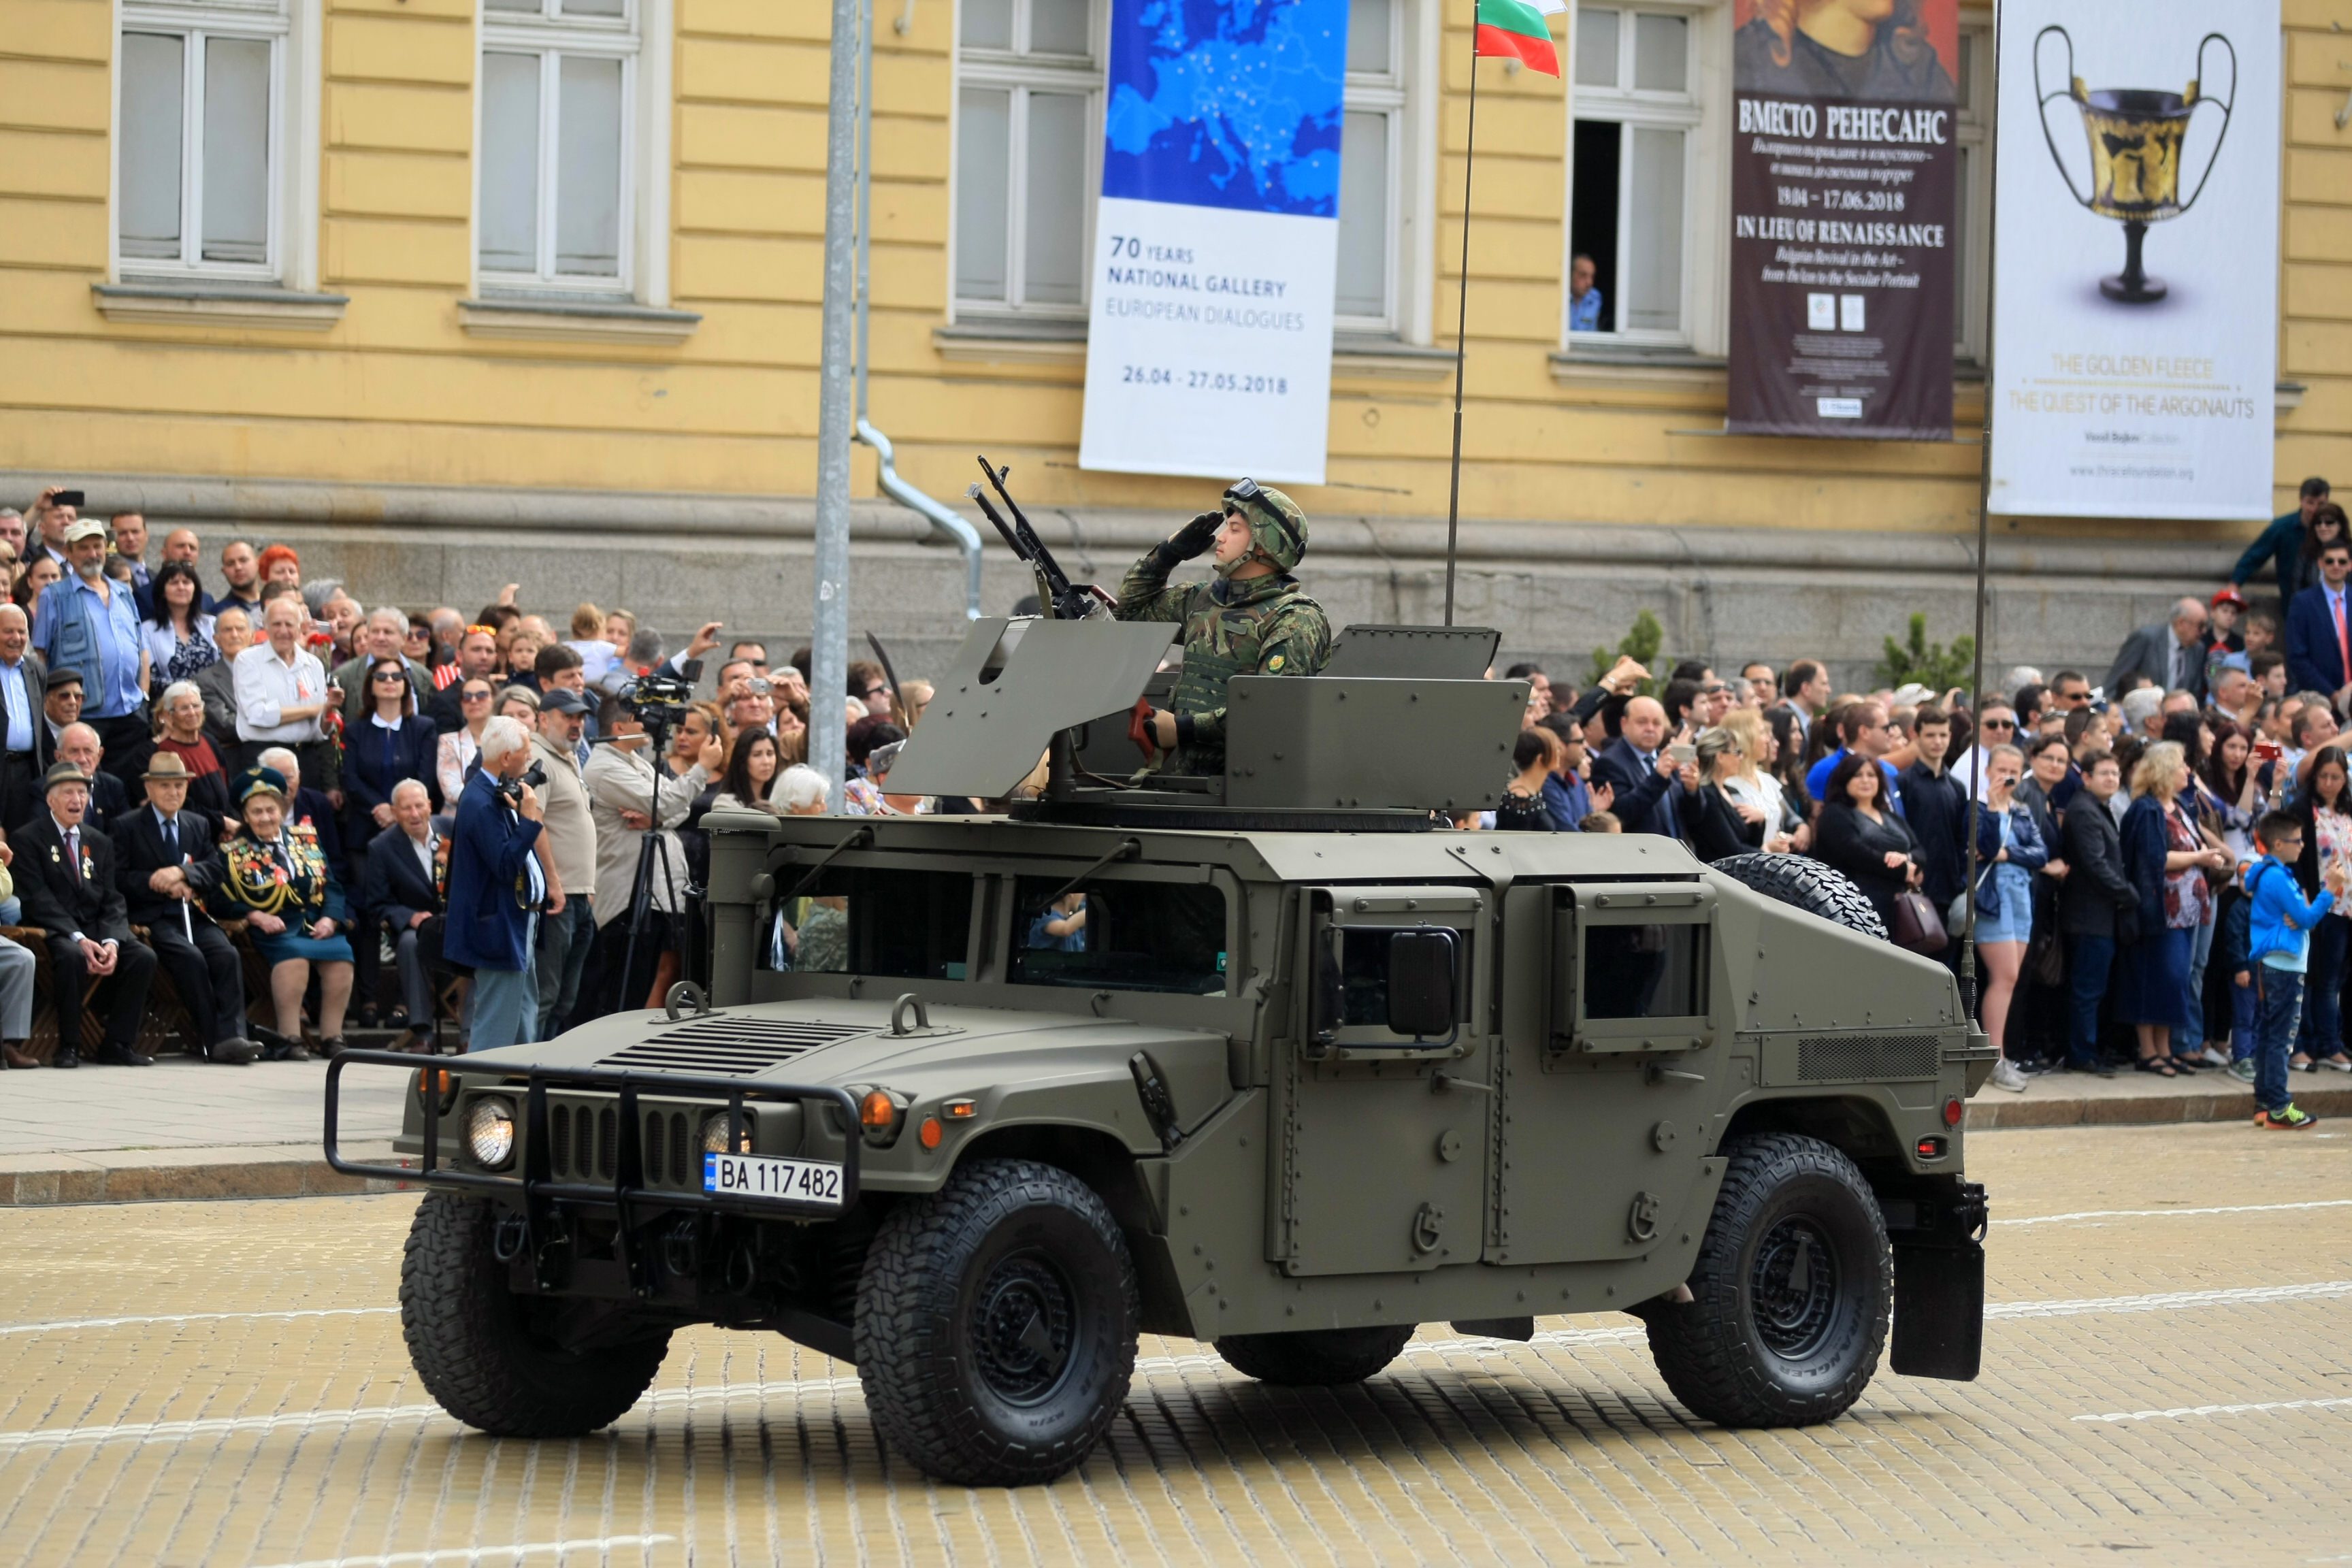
(1462, 323)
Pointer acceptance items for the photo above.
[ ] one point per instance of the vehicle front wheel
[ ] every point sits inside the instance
(1315, 1358)
(996, 1324)
(485, 1352)
(1790, 1295)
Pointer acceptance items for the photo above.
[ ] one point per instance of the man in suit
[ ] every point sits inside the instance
(2098, 909)
(1647, 795)
(496, 886)
(231, 634)
(2170, 657)
(379, 638)
(65, 879)
(405, 866)
(2318, 637)
(167, 860)
(109, 803)
(24, 680)
(1806, 688)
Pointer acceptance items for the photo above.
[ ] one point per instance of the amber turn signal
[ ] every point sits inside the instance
(930, 1133)
(961, 1110)
(876, 1110)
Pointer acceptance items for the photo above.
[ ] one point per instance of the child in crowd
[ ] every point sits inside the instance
(2279, 947)
(1601, 822)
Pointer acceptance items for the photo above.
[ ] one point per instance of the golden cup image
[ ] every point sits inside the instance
(2136, 136)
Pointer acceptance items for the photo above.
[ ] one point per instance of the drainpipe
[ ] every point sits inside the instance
(959, 532)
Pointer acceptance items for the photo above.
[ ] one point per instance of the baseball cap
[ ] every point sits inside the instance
(84, 527)
(562, 700)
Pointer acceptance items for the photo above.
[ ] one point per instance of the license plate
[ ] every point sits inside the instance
(816, 1181)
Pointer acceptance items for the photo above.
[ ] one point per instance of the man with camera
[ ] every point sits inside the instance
(498, 887)
(570, 842)
(629, 786)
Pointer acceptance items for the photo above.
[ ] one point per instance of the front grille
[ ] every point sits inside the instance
(1830, 1057)
(729, 1048)
(583, 1144)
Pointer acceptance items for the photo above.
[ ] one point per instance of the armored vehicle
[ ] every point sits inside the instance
(1274, 1060)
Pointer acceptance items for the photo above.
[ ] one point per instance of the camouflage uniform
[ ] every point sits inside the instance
(1253, 626)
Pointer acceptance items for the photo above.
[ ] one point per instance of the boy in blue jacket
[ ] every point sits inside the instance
(2278, 944)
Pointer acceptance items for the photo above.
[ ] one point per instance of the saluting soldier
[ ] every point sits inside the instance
(1255, 619)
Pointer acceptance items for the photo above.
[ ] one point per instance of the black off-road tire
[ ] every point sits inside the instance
(1760, 1344)
(1315, 1358)
(1804, 883)
(473, 1341)
(996, 1324)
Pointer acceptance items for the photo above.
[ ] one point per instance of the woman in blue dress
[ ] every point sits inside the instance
(280, 884)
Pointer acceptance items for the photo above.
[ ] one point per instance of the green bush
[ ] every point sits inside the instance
(1642, 643)
(1929, 664)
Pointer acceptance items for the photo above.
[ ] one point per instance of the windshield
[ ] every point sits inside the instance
(1120, 936)
(869, 920)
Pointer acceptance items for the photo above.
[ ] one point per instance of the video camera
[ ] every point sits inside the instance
(658, 702)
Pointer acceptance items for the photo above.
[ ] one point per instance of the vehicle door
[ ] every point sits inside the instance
(1611, 1029)
(1384, 1123)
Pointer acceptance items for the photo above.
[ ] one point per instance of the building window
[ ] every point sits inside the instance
(1372, 154)
(198, 187)
(1972, 196)
(1028, 133)
(1636, 106)
(1028, 161)
(555, 151)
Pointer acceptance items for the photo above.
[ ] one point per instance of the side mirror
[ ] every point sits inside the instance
(1421, 984)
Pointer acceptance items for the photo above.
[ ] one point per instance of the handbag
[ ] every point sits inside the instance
(2045, 958)
(1916, 928)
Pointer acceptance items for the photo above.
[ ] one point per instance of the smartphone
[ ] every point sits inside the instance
(1682, 752)
(67, 498)
(2266, 750)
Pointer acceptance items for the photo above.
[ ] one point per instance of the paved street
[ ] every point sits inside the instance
(2167, 1373)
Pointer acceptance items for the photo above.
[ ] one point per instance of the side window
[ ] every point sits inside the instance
(879, 920)
(1631, 967)
(1119, 935)
(1388, 970)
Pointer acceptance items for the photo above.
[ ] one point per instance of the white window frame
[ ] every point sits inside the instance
(291, 231)
(1403, 92)
(1021, 73)
(1699, 113)
(1387, 92)
(640, 39)
(1973, 197)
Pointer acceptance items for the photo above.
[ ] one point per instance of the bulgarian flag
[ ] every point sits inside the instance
(1515, 28)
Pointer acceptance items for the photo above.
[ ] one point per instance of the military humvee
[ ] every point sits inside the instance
(1270, 1060)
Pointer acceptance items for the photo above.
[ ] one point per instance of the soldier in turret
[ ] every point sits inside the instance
(1255, 619)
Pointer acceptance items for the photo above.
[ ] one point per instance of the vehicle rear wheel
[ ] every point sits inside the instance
(996, 1324)
(1315, 1358)
(1804, 883)
(483, 1351)
(1792, 1293)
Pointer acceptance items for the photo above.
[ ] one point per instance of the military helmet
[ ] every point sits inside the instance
(1277, 528)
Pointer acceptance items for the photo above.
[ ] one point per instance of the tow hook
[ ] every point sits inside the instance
(512, 1238)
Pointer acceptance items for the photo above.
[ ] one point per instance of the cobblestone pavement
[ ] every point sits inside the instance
(2167, 1379)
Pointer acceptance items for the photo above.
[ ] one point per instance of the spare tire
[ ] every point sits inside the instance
(1804, 883)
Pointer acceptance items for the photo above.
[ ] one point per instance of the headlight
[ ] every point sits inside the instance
(880, 1114)
(489, 1132)
(714, 1134)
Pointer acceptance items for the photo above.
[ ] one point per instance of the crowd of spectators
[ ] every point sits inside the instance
(2120, 822)
(219, 769)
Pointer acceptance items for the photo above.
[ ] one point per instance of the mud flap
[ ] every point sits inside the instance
(1939, 1312)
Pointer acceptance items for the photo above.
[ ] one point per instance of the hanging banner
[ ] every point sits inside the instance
(2135, 287)
(1845, 161)
(1216, 240)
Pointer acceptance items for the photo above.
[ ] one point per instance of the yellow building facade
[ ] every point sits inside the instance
(452, 293)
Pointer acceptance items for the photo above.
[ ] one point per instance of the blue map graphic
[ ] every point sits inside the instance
(1226, 103)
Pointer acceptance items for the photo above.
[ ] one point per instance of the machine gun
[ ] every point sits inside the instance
(1062, 599)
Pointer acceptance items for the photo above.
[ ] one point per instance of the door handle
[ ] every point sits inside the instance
(1440, 1081)
(1676, 1073)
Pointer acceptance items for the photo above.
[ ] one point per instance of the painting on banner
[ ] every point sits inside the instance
(2135, 273)
(1845, 165)
(1216, 240)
